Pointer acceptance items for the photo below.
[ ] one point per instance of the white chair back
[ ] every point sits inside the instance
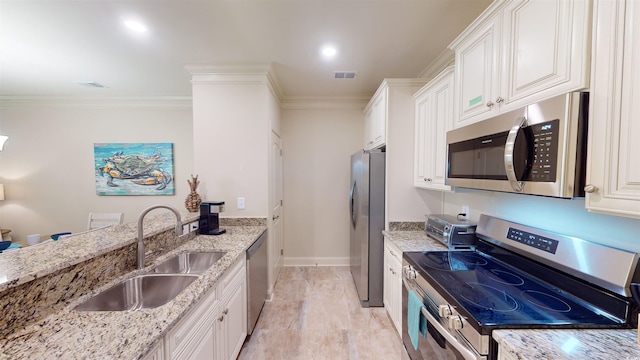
(100, 220)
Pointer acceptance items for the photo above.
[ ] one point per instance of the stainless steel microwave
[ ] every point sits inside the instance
(539, 149)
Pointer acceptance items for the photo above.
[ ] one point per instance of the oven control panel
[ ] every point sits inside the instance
(533, 240)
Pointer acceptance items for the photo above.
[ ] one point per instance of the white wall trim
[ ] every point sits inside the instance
(179, 102)
(316, 261)
(446, 58)
(248, 73)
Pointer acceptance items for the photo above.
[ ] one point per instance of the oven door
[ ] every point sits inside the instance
(439, 343)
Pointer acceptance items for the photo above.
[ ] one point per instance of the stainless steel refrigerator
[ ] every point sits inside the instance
(366, 200)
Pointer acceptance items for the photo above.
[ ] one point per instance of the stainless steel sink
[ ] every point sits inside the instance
(188, 263)
(140, 292)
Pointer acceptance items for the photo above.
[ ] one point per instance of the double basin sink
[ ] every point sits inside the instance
(157, 287)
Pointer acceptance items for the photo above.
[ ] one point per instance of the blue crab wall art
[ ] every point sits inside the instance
(134, 168)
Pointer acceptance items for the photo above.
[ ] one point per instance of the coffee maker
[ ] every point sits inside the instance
(209, 223)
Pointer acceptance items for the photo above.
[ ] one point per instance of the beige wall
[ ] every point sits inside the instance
(231, 135)
(48, 165)
(317, 148)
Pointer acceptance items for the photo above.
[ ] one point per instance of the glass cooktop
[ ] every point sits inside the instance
(496, 294)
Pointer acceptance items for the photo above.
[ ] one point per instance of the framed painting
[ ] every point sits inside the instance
(134, 168)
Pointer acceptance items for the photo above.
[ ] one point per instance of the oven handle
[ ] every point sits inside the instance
(466, 353)
(508, 154)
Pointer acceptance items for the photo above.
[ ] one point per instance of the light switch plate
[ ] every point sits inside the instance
(240, 204)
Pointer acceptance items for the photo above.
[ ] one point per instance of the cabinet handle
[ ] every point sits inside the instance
(590, 189)
(225, 312)
(392, 253)
(427, 179)
(275, 217)
(490, 104)
(499, 100)
(221, 318)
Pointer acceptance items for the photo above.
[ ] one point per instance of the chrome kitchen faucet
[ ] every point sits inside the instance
(141, 253)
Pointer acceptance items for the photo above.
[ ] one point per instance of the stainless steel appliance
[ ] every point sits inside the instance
(539, 149)
(366, 202)
(450, 230)
(257, 283)
(209, 222)
(518, 277)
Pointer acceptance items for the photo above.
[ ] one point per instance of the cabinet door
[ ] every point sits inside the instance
(376, 120)
(157, 353)
(441, 123)
(477, 60)
(396, 293)
(613, 174)
(235, 320)
(423, 112)
(434, 111)
(545, 50)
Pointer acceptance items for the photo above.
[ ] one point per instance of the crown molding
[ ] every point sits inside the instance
(442, 61)
(164, 102)
(247, 73)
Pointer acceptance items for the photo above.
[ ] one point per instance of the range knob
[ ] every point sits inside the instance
(409, 272)
(455, 322)
(444, 310)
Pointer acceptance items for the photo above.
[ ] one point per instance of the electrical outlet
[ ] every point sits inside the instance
(240, 204)
(465, 210)
(185, 229)
(193, 226)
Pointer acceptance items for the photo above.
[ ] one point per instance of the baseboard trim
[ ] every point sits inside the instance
(316, 261)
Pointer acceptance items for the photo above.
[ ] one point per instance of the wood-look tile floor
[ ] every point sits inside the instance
(315, 314)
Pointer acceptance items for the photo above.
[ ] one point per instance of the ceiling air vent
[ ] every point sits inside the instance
(344, 74)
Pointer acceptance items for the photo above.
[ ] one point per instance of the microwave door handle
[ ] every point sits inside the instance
(508, 154)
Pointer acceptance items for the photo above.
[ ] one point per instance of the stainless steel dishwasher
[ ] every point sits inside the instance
(257, 282)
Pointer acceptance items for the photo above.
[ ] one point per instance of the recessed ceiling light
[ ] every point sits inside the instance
(329, 52)
(135, 26)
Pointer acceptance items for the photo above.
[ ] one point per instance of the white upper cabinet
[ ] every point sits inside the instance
(434, 117)
(613, 169)
(519, 52)
(375, 120)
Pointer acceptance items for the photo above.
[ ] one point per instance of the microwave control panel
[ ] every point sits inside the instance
(544, 151)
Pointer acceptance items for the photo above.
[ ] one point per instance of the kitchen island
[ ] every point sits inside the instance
(67, 333)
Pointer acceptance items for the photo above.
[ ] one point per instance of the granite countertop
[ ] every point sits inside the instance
(413, 241)
(549, 344)
(125, 335)
(36, 261)
(544, 344)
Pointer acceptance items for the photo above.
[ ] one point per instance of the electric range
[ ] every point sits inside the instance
(516, 277)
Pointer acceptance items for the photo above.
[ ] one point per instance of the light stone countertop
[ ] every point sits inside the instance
(544, 344)
(36, 261)
(413, 241)
(71, 334)
(549, 344)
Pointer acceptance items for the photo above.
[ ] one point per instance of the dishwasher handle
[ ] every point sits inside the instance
(256, 244)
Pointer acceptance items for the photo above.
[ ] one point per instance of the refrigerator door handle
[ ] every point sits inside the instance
(352, 194)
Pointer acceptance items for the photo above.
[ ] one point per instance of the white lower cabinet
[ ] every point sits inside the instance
(156, 353)
(217, 326)
(392, 292)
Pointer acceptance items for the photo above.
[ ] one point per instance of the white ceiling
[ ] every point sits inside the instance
(47, 46)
